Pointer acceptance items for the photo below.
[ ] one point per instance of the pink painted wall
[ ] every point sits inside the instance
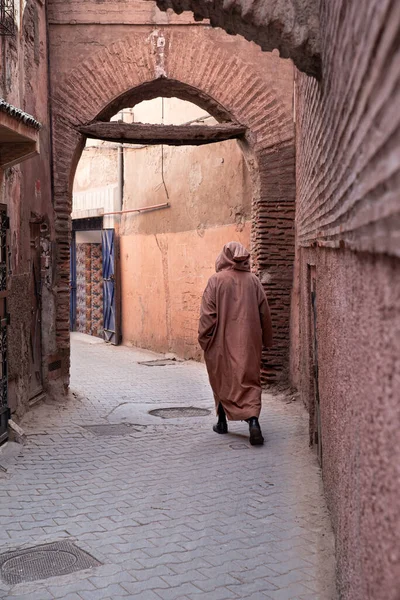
(163, 278)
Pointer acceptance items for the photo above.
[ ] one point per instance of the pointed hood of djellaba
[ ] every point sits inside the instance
(233, 256)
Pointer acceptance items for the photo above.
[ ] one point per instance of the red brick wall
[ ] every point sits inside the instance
(273, 246)
(348, 215)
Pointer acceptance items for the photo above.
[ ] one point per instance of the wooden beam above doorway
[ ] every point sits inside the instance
(172, 135)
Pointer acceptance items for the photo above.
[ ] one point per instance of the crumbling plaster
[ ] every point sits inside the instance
(291, 26)
(26, 190)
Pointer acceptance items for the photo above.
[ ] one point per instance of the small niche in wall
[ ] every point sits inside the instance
(55, 365)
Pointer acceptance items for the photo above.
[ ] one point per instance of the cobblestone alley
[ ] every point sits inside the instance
(170, 510)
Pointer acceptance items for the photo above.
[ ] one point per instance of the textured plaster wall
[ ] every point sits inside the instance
(97, 168)
(347, 215)
(358, 306)
(168, 255)
(165, 317)
(207, 186)
(25, 189)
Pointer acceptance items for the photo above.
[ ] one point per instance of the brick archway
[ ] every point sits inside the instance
(169, 63)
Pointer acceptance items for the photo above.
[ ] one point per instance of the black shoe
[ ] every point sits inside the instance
(221, 427)
(256, 437)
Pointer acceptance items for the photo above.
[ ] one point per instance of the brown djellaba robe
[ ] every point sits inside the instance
(235, 323)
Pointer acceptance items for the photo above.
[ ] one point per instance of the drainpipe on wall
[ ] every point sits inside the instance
(117, 222)
(120, 170)
(120, 180)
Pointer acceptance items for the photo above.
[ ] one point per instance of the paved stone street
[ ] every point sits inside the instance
(171, 510)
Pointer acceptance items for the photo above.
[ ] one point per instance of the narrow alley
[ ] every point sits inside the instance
(169, 510)
(237, 161)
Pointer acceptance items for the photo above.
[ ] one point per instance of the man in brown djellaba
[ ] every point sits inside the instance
(235, 324)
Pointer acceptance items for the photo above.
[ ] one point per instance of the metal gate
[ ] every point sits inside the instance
(110, 288)
(314, 343)
(4, 321)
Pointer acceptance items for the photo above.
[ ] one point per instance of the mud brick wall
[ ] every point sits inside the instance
(274, 249)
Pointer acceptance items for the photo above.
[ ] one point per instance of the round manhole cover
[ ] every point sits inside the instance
(37, 564)
(179, 412)
(42, 562)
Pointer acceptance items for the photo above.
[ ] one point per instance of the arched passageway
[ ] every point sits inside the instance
(173, 206)
(125, 73)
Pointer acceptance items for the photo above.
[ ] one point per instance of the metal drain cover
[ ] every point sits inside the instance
(107, 429)
(160, 362)
(42, 562)
(179, 412)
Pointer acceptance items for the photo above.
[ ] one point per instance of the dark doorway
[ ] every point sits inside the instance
(4, 320)
(35, 375)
